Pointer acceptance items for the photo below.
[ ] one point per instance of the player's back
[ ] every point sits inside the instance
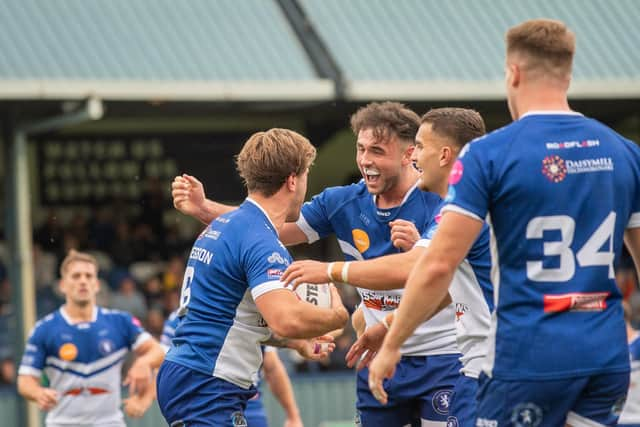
(562, 190)
(235, 259)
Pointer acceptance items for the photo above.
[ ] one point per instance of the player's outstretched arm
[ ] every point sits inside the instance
(290, 317)
(382, 273)
(280, 385)
(29, 387)
(188, 197)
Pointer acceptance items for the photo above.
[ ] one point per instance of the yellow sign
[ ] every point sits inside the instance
(361, 240)
(68, 352)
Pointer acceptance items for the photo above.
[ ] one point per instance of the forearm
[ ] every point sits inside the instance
(29, 387)
(210, 210)
(632, 241)
(424, 294)
(313, 322)
(152, 355)
(383, 273)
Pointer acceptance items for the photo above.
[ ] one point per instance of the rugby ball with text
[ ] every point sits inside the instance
(316, 294)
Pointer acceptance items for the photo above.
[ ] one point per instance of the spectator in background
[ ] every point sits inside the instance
(128, 298)
(121, 248)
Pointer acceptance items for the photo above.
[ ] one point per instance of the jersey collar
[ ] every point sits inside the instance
(550, 113)
(406, 196)
(70, 321)
(249, 199)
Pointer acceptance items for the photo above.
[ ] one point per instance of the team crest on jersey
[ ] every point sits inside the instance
(452, 422)
(440, 401)
(526, 415)
(238, 419)
(105, 347)
(360, 239)
(554, 168)
(68, 351)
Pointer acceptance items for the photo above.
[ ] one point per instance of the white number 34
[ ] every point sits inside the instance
(589, 255)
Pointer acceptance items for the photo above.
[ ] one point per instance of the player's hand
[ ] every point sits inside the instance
(188, 194)
(46, 399)
(139, 377)
(306, 271)
(314, 349)
(404, 234)
(293, 422)
(368, 345)
(383, 366)
(337, 306)
(136, 406)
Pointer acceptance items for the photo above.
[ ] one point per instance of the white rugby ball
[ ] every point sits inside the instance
(316, 294)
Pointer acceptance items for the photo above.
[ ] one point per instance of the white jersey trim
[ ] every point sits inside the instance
(550, 112)
(312, 235)
(141, 339)
(634, 220)
(29, 370)
(576, 420)
(348, 249)
(458, 209)
(489, 360)
(249, 199)
(65, 316)
(87, 368)
(265, 287)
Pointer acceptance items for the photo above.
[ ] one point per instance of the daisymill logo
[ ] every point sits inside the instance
(554, 168)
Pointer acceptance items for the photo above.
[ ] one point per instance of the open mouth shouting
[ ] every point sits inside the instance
(371, 176)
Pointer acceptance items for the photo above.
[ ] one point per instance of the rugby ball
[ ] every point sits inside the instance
(316, 294)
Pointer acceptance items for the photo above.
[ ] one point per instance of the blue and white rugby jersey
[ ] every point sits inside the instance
(83, 362)
(237, 258)
(472, 297)
(363, 232)
(631, 411)
(559, 190)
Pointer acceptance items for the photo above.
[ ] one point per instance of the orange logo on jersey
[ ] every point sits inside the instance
(361, 239)
(68, 352)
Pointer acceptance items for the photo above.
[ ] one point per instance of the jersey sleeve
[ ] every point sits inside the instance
(468, 184)
(314, 218)
(430, 229)
(135, 333)
(265, 261)
(35, 353)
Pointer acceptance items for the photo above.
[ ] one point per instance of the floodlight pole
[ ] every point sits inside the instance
(19, 228)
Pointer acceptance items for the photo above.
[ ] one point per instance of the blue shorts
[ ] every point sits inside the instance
(463, 407)
(579, 401)
(191, 399)
(420, 389)
(255, 415)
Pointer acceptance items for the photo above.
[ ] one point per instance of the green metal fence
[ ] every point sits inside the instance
(325, 400)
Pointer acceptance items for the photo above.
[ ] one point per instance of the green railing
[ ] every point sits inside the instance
(325, 400)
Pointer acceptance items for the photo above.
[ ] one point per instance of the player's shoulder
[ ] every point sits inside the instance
(48, 322)
(115, 315)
